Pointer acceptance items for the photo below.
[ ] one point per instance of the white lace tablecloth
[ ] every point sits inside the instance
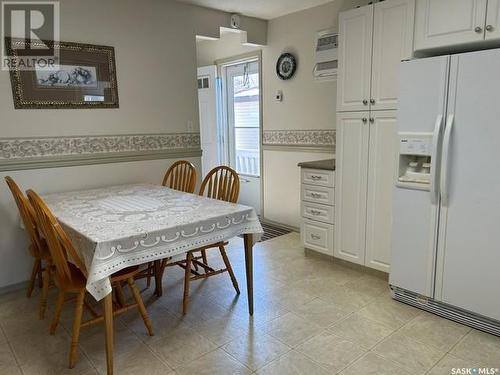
(116, 227)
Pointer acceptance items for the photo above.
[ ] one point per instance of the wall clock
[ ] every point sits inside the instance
(286, 66)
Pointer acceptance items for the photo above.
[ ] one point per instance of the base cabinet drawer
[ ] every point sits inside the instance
(318, 177)
(318, 194)
(317, 236)
(319, 212)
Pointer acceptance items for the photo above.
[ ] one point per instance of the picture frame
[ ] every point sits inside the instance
(85, 77)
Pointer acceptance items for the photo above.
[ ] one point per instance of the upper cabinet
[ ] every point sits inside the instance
(355, 56)
(454, 23)
(372, 42)
(392, 42)
(492, 28)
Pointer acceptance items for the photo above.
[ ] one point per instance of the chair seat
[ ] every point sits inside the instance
(43, 253)
(125, 274)
(79, 281)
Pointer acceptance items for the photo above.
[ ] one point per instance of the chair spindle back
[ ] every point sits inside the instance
(221, 183)
(59, 245)
(181, 176)
(28, 216)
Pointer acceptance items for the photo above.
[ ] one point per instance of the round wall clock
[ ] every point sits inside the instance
(286, 66)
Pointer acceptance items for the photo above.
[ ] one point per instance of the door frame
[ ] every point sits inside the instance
(234, 60)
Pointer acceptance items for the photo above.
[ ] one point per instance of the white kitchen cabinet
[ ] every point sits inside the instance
(392, 42)
(317, 209)
(372, 42)
(366, 144)
(492, 28)
(445, 23)
(351, 185)
(381, 167)
(355, 54)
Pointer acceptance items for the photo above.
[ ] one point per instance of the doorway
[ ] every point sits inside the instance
(241, 125)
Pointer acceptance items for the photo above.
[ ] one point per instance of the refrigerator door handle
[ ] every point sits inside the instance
(444, 163)
(435, 150)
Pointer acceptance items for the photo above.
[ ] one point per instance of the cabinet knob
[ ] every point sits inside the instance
(478, 29)
(364, 119)
(372, 101)
(365, 102)
(489, 28)
(315, 237)
(372, 120)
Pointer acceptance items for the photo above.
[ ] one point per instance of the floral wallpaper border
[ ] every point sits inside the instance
(57, 147)
(299, 137)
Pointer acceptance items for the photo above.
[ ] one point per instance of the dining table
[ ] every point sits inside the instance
(116, 227)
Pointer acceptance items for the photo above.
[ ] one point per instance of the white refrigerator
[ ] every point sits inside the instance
(446, 211)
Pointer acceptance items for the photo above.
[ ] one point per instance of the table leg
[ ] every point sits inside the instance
(247, 238)
(158, 278)
(108, 328)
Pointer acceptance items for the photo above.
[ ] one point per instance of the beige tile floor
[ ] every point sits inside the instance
(312, 316)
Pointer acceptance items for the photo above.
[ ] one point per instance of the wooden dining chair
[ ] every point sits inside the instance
(37, 246)
(222, 183)
(181, 176)
(71, 278)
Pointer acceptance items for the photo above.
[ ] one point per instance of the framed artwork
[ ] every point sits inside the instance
(84, 78)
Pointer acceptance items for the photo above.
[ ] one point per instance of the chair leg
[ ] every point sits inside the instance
(187, 280)
(140, 305)
(229, 268)
(57, 313)
(150, 274)
(108, 327)
(204, 257)
(120, 296)
(40, 275)
(77, 323)
(45, 292)
(37, 265)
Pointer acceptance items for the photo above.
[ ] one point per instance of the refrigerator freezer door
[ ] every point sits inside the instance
(424, 85)
(469, 234)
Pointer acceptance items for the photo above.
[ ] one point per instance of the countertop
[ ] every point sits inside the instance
(328, 164)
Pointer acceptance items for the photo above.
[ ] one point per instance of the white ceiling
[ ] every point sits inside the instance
(265, 9)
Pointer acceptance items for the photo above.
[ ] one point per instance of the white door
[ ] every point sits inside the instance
(242, 91)
(440, 23)
(470, 185)
(493, 20)
(381, 170)
(207, 103)
(351, 186)
(392, 42)
(355, 55)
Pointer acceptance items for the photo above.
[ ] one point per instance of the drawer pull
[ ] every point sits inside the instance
(315, 237)
(315, 212)
(315, 195)
(314, 177)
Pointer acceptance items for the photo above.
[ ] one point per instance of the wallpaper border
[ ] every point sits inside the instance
(299, 138)
(52, 152)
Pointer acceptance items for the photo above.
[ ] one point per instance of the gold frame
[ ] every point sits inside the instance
(20, 100)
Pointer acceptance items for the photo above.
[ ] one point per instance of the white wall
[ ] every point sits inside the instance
(155, 48)
(307, 104)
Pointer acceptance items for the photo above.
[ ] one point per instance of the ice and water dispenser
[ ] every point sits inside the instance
(414, 160)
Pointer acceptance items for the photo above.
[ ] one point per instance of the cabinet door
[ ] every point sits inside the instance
(351, 186)
(440, 23)
(493, 20)
(381, 165)
(392, 42)
(355, 55)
